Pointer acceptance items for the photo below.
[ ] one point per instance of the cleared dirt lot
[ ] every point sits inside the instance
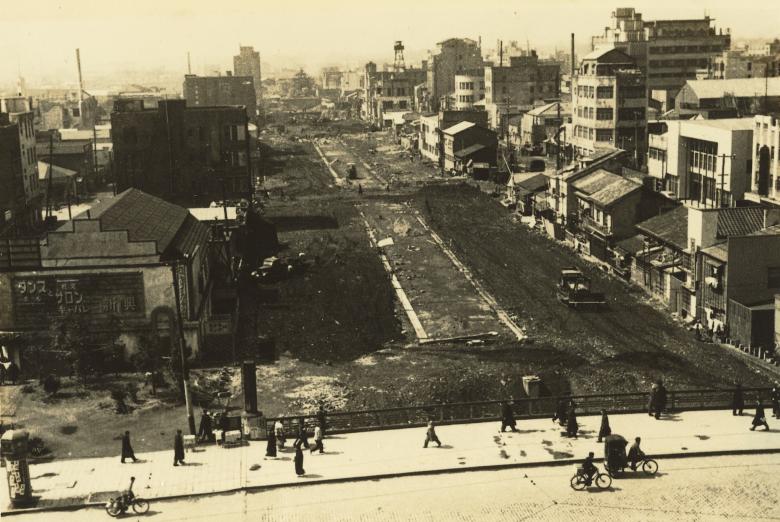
(623, 348)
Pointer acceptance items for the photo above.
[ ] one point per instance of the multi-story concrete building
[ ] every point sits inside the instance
(20, 191)
(430, 140)
(452, 56)
(609, 104)
(708, 163)
(351, 81)
(765, 179)
(542, 123)
(190, 155)
(247, 63)
(469, 89)
(219, 91)
(514, 88)
(389, 92)
(669, 51)
(330, 78)
(739, 64)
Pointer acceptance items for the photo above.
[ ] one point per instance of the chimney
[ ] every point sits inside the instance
(573, 62)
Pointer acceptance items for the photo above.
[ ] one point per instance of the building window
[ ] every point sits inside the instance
(604, 92)
(773, 277)
(604, 135)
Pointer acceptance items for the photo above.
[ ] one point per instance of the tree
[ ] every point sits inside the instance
(70, 336)
(148, 358)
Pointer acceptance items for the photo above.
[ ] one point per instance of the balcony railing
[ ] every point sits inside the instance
(589, 222)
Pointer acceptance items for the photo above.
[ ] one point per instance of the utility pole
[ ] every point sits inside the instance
(184, 371)
(51, 174)
(723, 175)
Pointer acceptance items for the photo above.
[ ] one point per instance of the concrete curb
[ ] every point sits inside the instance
(380, 476)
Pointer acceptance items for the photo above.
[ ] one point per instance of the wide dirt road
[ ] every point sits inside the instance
(623, 348)
(720, 488)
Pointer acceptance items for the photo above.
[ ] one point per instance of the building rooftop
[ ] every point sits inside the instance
(614, 192)
(670, 227)
(57, 172)
(458, 127)
(725, 123)
(595, 181)
(149, 218)
(739, 221)
(738, 87)
(719, 251)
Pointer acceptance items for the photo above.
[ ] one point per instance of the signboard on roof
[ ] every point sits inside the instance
(39, 298)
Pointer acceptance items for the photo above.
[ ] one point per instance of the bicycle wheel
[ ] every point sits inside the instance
(650, 467)
(112, 508)
(577, 483)
(140, 506)
(603, 481)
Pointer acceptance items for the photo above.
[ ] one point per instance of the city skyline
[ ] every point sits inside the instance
(310, 37)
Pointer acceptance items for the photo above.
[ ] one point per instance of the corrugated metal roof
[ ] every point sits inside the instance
(739, 221)
(739, 87)
(670, 227)
(595, 181)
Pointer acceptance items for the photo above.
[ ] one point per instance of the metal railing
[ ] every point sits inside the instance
(465, 412)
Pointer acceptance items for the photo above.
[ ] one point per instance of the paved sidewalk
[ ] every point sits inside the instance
(387, 453)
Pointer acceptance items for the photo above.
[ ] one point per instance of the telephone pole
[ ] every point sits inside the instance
(723, 176)
(185, 377)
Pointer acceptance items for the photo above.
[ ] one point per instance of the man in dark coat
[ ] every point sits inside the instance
(776, 401)
(571, 421)
(560, 411)
(430, 435)
(604, 430)
(635, 453)
(653, 400)
(178, 449)
(270, 447)
(660, 400)
(205, 431)
(127, 448)
(303, 437)
(507, 417)
(299, 458)
(759, 419)
(737, 400)
(321, 418)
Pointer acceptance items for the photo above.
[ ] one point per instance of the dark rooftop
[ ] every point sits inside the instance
(739, 221)
(670, 227)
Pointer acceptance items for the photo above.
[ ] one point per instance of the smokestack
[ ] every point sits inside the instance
(501, 53)
(573, 62)
(189, 65)
(81, 82)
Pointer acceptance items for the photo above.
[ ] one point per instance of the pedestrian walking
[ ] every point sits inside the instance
(303, 436)
(430, 435)
(507, 417)
(270, 447)
(298, 457)
(321, 418)
(776, 401)
(571, 421)
(661, 397)
(127, 448)
(652, 400)
(604, 430)
(318, 440)
(279, 432)
(759, 419)
(560, 411)
(178, 449)
(205, 431)
(737, 400)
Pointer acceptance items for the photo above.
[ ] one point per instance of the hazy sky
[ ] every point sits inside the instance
(40, 36)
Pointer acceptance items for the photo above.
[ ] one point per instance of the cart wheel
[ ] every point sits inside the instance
(650, 467)
(603, 480)
(577, 483)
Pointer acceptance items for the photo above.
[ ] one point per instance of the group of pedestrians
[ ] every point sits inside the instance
(277, 440)
(566, 415)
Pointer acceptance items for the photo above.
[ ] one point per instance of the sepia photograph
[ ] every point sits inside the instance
(347, 261)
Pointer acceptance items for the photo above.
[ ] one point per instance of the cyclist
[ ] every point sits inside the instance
(635, 454)
(589, 468)
(127, 495)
